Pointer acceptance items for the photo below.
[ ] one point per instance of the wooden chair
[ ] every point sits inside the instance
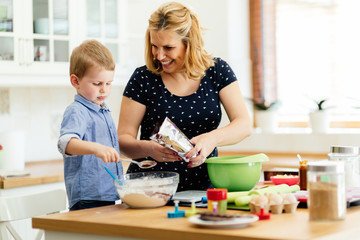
(21, 207)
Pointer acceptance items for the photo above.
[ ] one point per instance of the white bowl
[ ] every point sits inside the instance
(147, 189)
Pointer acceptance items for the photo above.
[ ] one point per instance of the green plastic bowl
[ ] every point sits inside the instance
(239, 173)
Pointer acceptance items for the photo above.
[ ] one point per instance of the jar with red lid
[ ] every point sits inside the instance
(217, 199)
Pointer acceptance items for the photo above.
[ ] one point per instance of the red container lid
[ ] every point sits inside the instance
(217, 194)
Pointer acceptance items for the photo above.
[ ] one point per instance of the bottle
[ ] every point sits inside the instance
(350, 156)
(217, 199)
(303, 175)
(326, 186)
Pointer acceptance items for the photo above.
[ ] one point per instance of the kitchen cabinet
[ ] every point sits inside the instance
(37, 37)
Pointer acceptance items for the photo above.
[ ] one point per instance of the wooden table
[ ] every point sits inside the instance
(120, 222)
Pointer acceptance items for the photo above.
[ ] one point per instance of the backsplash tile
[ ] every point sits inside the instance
(20, 101)
(4, 101)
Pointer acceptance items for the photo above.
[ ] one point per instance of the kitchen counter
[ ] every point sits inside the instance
(121, 222)
(52, 171)
(280, 160)
(42, 180)
(41, 172)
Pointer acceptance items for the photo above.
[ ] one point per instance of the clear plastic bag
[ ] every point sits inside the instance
(170, 136)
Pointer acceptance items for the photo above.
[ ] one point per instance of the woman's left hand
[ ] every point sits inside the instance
(204, 144)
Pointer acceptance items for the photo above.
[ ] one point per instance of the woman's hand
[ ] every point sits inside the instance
(204, 145)
(162, 154)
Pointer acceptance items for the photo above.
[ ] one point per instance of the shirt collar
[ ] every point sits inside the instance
(91, 105)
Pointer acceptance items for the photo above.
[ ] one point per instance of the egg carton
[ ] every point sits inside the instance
(274, 209)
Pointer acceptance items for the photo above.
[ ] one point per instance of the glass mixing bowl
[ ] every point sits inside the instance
(147, 189)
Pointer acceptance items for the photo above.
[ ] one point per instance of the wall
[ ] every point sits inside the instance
(295, 141)
(38, 110)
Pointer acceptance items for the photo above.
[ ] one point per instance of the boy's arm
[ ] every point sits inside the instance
(79, 147)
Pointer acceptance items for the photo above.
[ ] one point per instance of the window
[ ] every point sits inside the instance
(312, 47)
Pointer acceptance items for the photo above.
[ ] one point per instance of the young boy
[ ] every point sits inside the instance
(88, 138)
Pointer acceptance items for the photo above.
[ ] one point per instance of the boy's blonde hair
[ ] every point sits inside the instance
(90, 53)
(176, 17)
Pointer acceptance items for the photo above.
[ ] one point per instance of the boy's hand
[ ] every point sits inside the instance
(107, 154)
(79, 147)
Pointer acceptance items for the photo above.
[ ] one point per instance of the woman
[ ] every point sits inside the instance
(183, 82)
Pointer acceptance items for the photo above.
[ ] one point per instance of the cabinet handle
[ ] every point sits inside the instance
(28, 52)
(21, 51)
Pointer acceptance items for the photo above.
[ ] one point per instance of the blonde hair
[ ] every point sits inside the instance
(176, 17)
(90, 53)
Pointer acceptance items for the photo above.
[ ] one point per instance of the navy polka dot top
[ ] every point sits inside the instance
(194, 114)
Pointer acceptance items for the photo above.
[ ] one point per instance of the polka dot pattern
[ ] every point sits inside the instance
(194, 114)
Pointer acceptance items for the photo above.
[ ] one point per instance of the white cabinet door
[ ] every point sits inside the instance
(105, 21)
(37, 45)
(37, 37)
(50, 36)
(9, 33)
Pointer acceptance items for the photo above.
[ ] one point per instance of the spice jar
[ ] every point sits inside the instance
(350, 156)
(327, 199)
(303, 175)
(217, 200)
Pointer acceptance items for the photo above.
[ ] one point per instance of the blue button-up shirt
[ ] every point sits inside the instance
(85, 175)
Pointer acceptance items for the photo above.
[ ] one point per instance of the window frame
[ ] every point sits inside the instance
(264, 65)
